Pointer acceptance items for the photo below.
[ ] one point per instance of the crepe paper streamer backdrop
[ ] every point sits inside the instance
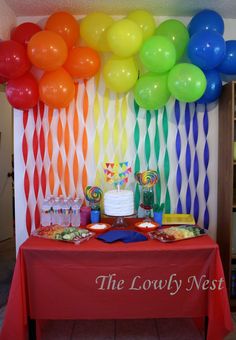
(178, 151)
(35, 171)
(166, 162)
(195, 165)
(137, 161)
(188, 201)
(147, 139)
(61, 151)
(26, 176)
(157, 154)
(206, 163)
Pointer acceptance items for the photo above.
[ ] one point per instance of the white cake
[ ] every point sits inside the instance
(119, 203)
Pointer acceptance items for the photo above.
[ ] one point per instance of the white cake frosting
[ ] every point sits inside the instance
(119, 203)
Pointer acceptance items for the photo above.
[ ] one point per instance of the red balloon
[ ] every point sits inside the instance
(82, 62)
(2, 80)
(22, 93)
(24, 32)
(14, 61)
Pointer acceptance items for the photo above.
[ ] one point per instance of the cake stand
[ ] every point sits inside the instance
(119, 221)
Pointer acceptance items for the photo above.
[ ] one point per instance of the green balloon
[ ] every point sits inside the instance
(177, 33)
(151, 91)
(158, 54)
(187, 82)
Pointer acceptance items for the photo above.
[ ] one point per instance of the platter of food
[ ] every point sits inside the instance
(67, 234)
(98, 227)
(177, 233)
(146, 226)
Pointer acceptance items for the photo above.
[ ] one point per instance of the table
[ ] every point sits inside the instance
(96, 280)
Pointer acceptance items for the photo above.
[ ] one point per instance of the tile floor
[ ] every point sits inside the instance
(158, 329)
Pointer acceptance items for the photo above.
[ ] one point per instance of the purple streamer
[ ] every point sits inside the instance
(206, 188)
(178, 145)
(179, 179)
(195, 165)
(206, 155)
(188, 202)
(188, 160)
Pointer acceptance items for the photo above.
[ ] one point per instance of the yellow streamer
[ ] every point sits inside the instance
(106, 100)
(124, 138)
(97, 147)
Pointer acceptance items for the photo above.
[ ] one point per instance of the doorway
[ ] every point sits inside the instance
(6, 168)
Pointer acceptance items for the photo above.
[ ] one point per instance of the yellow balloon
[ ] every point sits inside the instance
(124, 38)
(145, 21)
(120, 74)
(93, 30)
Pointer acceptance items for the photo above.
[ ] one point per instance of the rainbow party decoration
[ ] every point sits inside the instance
(117, 173)
(93, 194)
(147, 178)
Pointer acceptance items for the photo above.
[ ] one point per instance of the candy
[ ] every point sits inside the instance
(93, 194)
(147, 178)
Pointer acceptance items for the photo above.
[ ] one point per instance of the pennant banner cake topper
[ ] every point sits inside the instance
(117, 172)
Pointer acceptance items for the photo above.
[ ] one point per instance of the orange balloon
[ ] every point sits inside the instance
(47, 50)
(82, 62)
(64, 24)
(56, 88)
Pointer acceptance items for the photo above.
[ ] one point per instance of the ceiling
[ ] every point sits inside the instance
(227, 8)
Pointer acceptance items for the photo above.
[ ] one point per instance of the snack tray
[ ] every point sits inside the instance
(177, 233)
(65, 234)
(176, 219)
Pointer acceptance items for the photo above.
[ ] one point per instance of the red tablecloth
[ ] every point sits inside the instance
(96, 280)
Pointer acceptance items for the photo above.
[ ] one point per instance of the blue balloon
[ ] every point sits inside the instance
(206, 20)
(206, 49)
(213, 89)
(228, 65)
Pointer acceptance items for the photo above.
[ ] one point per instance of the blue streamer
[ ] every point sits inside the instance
(178, 152)
(206, 154)
(188, 202)
(195, 165)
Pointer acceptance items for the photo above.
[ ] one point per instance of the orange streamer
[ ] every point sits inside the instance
(67, 180)
(84, 178)
(50, 151)
(76, 121)
(59, 131)
(60, 168)
(75, 170)
(51, 179)
(67, 139)
(85, 138)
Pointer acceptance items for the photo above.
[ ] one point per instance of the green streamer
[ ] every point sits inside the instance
(147, 139)
(157, 154)
(166, 162)
(137, 160)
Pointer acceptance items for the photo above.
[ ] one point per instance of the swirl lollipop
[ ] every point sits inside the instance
(93, 194)
(147, 178)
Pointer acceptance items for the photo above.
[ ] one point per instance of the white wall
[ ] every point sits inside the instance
(230, 29)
